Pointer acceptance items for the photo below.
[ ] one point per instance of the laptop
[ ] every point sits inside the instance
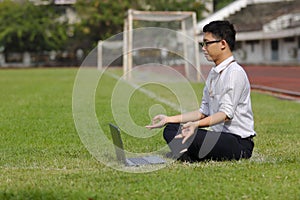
(121, 157)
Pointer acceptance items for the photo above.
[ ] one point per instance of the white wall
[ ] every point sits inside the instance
(262, 52)
(288, 50)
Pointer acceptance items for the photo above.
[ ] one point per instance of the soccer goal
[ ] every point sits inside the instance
(158, 38)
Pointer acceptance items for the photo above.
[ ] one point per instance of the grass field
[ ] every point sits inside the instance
(42, 156)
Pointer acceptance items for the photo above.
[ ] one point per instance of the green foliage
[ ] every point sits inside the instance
(26, 27)
(218, 4)
(99, 19)
(174, 5)
(102, 19)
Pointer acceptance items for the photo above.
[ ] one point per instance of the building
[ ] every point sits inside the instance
(268, 31)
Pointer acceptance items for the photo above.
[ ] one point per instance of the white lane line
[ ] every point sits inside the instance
(148, 93)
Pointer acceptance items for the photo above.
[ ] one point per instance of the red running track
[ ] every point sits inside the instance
(283, 80)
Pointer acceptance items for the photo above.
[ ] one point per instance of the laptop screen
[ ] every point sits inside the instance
(118, 143)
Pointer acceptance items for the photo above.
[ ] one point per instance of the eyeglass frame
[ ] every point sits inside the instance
(205, 44)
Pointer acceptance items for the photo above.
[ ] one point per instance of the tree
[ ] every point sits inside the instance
(218, 4)
(100, 19)
(173, 5)
(26, 27)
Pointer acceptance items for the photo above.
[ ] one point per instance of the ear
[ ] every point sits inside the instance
(224, 44)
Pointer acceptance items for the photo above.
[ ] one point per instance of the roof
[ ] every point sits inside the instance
(255, 16)
(260, 19)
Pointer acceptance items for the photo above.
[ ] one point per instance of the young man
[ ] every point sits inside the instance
(225, 108)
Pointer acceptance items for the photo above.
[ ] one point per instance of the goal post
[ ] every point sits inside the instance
(109, 52)
(167, 38)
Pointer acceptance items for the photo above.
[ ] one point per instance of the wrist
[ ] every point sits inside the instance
(167, 119)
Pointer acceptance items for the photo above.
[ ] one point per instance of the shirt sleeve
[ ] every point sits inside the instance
(234, 86)
(204, 108)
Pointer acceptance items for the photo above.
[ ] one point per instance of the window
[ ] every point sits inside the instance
(252, 43)
(289, 39)
(274, 48)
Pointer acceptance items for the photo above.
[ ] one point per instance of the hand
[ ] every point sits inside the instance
(158, 121)
(187, 131)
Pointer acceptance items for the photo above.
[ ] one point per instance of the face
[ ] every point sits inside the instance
(212, 47)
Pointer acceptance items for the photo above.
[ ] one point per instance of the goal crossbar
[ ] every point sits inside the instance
(162, 16)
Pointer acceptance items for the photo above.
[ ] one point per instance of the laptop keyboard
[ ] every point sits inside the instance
(139, 161)
(154, 159)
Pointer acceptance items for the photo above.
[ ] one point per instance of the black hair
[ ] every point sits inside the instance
(222, 30)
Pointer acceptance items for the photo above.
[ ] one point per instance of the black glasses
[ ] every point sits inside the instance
(206, 43)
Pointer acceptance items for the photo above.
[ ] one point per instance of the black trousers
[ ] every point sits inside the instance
(207, 145)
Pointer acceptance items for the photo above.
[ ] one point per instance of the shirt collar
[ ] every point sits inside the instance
(219, 68)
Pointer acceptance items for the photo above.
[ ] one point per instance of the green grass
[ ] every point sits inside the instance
(42, 156)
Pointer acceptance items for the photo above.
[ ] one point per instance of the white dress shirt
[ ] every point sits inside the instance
(227, 90)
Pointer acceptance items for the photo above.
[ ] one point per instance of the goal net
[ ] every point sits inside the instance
(161, 39)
